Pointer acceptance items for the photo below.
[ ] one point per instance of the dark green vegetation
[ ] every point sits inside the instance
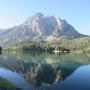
(60, 44)
(0, 49)
(6, 84)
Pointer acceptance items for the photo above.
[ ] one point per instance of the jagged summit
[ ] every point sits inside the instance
(47, 25)
(40, 25)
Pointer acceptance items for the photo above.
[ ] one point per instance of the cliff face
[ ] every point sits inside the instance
(38, 25)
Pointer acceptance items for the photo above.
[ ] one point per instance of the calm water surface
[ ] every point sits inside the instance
(39, 70)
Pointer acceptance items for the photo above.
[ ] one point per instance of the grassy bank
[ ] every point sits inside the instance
(6, 84)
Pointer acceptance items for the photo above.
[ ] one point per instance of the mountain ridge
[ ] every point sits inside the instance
(39, 25)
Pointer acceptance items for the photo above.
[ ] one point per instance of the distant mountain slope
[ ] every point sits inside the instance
(39, 25)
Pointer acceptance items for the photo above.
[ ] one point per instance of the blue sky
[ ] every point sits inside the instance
(76, 12)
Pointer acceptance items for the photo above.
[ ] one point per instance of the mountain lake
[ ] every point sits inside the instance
(46, 71)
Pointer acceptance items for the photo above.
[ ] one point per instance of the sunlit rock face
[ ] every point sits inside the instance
(38, 25)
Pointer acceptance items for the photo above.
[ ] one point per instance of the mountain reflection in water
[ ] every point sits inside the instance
(79, 80)
(47, 71)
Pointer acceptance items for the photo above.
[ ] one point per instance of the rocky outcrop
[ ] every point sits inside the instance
(38, 25)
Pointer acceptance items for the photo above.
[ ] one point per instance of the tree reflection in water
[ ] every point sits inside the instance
(36, 73)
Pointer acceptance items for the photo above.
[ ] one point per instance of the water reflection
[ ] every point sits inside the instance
(41, 69)
(79, 80)
(0, 52)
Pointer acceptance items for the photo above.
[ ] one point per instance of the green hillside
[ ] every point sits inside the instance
(57, 44)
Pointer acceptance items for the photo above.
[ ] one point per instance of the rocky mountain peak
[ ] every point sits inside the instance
(40, 25)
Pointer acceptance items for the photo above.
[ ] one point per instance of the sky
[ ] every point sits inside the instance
(75, 12)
